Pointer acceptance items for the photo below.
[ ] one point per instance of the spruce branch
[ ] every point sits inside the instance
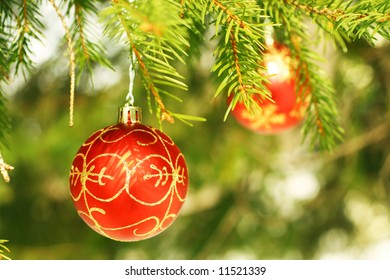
(28, 28)
(144, 70)
(165, 115)
(238, 55)
(4, 78)
(321, 126)
(162, 33)
(230, 14)
(354, 19)
(20, 26)
(88, 48)
(196, 29)
(7, 37)
(4, 118)
(7, 17)
(79, 20)
(322, 113)
(158, 38)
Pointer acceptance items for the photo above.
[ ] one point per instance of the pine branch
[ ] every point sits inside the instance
(365, 19)
(161, 33)
(28, 29)
(196, 29)
(238, 55)
(321, 125)
(349, 19)
(20, 22)
(156, 34)
(6, 18)
(88, 47)
(4, 119)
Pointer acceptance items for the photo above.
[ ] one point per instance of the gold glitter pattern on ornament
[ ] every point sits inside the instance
(266, 118)
(300, 107)
(128, 182)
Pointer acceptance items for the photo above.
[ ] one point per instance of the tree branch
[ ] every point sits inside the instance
(332, 14)
(78, 15)
(231, 16)
(165, 115)
(237, 63)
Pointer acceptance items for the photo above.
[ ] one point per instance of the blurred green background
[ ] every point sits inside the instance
(250, 197)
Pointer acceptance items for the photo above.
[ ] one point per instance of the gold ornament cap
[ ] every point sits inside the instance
(129, 114)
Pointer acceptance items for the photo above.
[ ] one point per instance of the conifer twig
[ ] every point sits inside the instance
(238, 55)
(25, 28)
(155, 44)
(72, 63)
(231, 16)
(321, 124)
(332, 14)
(360, 19)
(241, 86)
(164, 113)
(78, 16)
(88, 47)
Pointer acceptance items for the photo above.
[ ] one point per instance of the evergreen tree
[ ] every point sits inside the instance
(164, 36)
(159, 33)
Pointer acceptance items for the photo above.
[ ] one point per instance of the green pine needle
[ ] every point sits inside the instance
(157, 34)
(165, 33)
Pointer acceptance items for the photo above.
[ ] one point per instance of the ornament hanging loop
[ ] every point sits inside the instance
(129, 114)
(130, 95)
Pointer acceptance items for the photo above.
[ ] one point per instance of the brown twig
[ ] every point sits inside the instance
(232, 16)
(165, 115)
(25, 29)
(319, 124)
(25, 25)
(304, 69)
(78, 15)
(330, 14)
(237, 66)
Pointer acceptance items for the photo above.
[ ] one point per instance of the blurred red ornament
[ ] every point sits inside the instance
(128, 181)
(287, 108)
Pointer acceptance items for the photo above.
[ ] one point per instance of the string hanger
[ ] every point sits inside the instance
(128, 114)
(130, 95)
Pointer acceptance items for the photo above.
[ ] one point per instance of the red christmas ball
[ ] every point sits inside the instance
(286, 109)
(128, 181)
